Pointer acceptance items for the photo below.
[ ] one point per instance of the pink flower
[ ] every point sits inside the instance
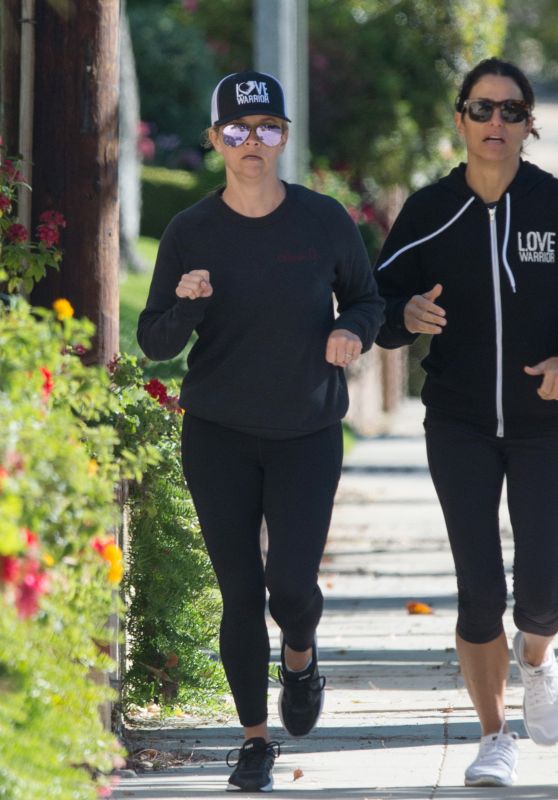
(48, 234)
(79, 350)
(190, 5)
(5, 202)
(11, 172)
(53, 218)
(17, 233)
(30, 589)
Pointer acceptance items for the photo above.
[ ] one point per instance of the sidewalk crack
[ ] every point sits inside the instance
(442, 760)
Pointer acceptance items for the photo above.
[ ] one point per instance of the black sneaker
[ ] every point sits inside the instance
(252, 769)
(302, 696)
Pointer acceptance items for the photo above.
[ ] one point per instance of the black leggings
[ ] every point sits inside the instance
(235, 479)
(468, 470)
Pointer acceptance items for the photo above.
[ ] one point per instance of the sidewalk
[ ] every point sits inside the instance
(397, 723)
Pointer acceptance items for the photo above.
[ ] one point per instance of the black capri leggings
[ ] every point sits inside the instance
(235, 479)
(468, 470)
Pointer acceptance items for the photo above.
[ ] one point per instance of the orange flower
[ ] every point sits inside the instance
(112, 553)
(414, 607)
(116, 572)
(63, 308)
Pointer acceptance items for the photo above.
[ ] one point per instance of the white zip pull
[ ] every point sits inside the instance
(498, 317)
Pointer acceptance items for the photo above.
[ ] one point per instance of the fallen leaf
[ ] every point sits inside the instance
(414, 607)
(297, 773)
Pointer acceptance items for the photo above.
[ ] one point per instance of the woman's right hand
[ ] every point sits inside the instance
(195, 284)
(422, 315)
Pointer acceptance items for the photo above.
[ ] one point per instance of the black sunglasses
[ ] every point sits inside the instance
(510, 110)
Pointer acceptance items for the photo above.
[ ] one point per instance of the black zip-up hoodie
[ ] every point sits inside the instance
(499, 272)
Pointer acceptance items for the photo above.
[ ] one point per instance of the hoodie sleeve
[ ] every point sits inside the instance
(359, 305)
(167, 321)
(399, 278)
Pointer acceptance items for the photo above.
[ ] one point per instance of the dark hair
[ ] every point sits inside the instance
(496, 66)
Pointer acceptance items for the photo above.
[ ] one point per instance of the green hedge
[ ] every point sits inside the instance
(165, 192)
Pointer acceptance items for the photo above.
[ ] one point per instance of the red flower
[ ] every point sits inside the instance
(9, 569)
(157, 390)
(17, 233)
(30, 537)
(48, 384)
(48, 234)
(53, 218)
(5, 202)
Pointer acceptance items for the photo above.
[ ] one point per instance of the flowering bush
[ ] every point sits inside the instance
(71, 434)
(173, 608)
(22, 261)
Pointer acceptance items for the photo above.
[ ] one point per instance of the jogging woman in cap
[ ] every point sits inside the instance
(252, 269)
(472, 261)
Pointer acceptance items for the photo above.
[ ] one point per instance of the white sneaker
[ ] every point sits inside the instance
(540, 703)
(496, 762)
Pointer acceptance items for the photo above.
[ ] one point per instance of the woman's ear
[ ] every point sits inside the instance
(213, 135)
(458, 120)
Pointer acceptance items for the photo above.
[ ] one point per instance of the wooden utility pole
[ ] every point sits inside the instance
(10, 42)
(75, 153)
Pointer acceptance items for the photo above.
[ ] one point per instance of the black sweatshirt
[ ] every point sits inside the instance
(499, 275)
(258, 364)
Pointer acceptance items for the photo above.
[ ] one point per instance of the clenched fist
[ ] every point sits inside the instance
(195, 284)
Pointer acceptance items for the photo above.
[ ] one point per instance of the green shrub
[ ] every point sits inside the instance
(70, 435)
(165, 192)
(58, 469)
(173, 608)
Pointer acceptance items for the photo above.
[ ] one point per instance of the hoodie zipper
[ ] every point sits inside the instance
(498, 315)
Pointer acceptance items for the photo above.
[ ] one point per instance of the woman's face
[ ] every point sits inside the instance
(494, 140)
(252, 159)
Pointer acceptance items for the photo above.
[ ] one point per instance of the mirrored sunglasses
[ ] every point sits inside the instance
(236, 133)
(510, 110)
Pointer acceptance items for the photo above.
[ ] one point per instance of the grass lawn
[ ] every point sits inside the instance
(133, 294)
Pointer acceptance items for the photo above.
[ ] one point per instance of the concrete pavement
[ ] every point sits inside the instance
(397, 722)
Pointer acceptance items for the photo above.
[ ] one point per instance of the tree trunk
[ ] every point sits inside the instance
(76, 158)
(10, 11)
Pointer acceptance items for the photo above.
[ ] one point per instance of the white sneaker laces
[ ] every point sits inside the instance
(500, 745)
(541, 684)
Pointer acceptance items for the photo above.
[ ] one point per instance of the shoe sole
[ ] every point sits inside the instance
(536, 739)
(267, 788)
(490, 781)
(541, 741)
(322, 698)
(300, 735)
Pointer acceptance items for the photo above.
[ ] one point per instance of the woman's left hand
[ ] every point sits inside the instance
(548, 389)
(343, 348)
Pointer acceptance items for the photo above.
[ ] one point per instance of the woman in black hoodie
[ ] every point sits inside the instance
(253, 269)
(471, 260)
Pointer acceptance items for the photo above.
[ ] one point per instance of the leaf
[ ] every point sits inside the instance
(416, 607)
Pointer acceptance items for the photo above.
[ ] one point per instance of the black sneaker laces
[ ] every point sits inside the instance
(251, 754)
(300, 687)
